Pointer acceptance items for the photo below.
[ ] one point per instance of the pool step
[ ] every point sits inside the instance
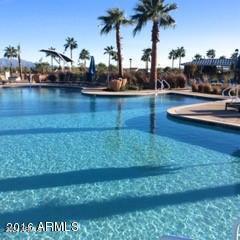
(174, 238)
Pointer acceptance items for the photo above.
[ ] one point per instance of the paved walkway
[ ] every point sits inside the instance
(211, 112)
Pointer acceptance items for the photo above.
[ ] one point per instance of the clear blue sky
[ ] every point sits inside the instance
(36, 24)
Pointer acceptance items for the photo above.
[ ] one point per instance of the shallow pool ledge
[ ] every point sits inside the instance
(212, 113)
(104, 93)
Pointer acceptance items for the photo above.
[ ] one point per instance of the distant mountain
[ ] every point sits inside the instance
(4, 62)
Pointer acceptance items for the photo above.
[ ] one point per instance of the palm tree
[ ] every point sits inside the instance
(10, 52)
(84, 55)
(19, 60)
(70, 44)
(235, 65)
(146, 57)
(109, 51)
(173, 56)
(235, 54)
(115, 56)
(113, 20)
(157, 12)
(211, 53)
(198, 56)
(49, 54)
(181, 52)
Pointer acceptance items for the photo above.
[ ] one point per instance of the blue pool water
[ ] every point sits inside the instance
(118, 166)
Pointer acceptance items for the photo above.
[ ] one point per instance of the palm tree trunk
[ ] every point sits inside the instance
(147, 66)
(20, 66)
(180, 62)
(109, 62)
(71, 56)
(119, 50)
(172, 63)
(10, 67)
(155, 40)
(52, 63)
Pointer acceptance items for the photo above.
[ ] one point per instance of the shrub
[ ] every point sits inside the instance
(102, 77)
(61, 76)
(141, 77)
(207, 88)
(194, 87)
(52, 78)
(217, 90)
(181, 80)
(171, 79)
(200, 88)
(130, 77)
(175, 80)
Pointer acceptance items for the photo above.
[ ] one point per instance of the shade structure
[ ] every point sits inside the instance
(57, 54)
(211, 62)
(91, 70)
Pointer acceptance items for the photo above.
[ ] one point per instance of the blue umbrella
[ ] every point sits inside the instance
(91, 69)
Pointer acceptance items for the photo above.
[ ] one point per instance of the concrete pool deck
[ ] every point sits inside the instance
(102, 92)
(210, 112)
(186, 92)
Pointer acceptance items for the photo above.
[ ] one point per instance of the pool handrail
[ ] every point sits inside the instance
(162, 82)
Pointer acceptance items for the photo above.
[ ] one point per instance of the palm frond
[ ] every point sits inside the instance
(114, 17)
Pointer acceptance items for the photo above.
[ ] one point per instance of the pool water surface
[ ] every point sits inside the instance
(118, 166)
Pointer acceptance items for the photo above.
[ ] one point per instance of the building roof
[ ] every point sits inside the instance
(211, 62)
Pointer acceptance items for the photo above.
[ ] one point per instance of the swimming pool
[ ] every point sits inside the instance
(118, 166)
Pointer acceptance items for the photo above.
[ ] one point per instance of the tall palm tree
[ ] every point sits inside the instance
(70, 44)
(113, 20)
(211, 53)
(49, 54)
(10, 52)
(181, 53)
(173, 56)
(158, 13)
(84, 56)
(197, 57)
(146, 57)
(109, 51)
(235, 56)
(19, 60)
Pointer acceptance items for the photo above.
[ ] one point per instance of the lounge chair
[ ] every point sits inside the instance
(235, 105)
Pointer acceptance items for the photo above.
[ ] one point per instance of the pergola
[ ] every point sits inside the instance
(58, 57)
